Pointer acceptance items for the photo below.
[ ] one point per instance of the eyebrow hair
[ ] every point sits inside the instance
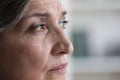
(42, 14)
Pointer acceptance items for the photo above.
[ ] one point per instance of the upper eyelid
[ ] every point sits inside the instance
(63, 21)
(42, 20)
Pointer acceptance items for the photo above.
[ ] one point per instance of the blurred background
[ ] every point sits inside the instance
(94, 30)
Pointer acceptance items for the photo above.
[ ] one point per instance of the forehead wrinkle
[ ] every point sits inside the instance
(53, 8)
(43, 2)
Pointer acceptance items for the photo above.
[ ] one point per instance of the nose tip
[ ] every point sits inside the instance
(64, 47)
(69, 48)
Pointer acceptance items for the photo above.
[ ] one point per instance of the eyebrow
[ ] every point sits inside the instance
(38, 14)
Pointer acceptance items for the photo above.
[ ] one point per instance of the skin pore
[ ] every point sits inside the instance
(37, 44)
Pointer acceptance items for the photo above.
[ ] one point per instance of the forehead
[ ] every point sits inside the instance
(42, 2)
(50, 6)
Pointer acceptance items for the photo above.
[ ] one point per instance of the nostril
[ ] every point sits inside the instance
(60, 49)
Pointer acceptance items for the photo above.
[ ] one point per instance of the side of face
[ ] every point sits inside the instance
(37, 44)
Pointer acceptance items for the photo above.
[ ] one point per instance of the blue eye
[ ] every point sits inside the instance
(63, 23)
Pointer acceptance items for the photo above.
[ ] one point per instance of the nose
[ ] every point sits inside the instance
(62, 45)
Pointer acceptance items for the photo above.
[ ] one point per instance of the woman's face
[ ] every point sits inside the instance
(36, 48)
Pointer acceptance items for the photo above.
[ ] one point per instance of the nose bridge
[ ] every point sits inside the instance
(62, 37)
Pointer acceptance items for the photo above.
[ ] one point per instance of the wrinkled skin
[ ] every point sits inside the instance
(28, 52)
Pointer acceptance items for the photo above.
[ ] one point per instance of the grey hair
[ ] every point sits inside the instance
(11, 12)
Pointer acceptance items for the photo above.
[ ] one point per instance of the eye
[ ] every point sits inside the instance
(38, 28)
(63, 23)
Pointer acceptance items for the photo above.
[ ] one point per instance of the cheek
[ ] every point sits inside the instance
(36, 54)
(28, 54)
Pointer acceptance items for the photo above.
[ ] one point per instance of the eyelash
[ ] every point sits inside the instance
(63, 23)
(43, 27)
(38, 28)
